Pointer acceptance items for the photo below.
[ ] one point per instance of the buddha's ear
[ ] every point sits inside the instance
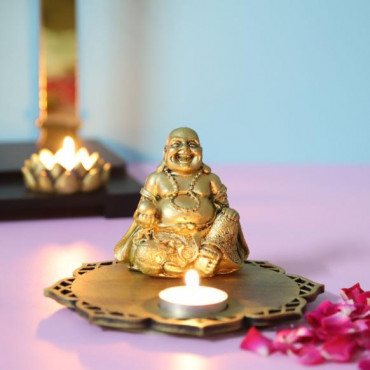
(206, 169)
(164, 151)
(161, 167)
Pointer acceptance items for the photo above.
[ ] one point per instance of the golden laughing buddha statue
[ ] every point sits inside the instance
(183, 219)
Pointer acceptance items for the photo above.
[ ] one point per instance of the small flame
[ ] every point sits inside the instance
(69, 144)
(47, 158)
(66, 155)
(83, 157)
(192, 278)
(87, 160)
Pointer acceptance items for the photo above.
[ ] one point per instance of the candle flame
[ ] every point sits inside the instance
(69, 144)
(192, 278)
(66, 155)
(47, 158)
(87, 160)
(83, 157)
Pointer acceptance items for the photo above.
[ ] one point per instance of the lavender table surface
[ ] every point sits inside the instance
(311, 220)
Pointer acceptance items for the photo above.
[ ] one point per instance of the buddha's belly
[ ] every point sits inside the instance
(170, 214)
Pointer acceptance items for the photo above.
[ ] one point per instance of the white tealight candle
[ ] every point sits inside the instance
(192, 300)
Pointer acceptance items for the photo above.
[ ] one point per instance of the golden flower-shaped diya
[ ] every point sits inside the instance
(67, 171)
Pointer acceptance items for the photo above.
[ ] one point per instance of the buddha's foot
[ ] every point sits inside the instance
(173, 270)
(207, 261)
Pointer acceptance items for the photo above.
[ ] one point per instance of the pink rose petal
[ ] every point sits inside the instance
(310, 355)
(292, 339)
(361, 325)
(340, 348)
(355, 294)
(322, 334)
(362, 311)
(339, 328)
(351, 293)
(364, 364)
(314, 318)
(338, 323)
(363, 339)
(347, 308)
(326, 308)
(363, 298)
(256, 342)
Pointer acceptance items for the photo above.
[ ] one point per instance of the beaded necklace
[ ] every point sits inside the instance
(190, 191)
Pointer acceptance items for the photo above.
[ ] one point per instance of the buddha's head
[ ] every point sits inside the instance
(183, 152)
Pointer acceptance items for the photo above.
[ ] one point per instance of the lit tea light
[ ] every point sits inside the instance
(192, 300)
(67, 171)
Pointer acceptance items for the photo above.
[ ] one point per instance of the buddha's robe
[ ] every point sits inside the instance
(216, 245)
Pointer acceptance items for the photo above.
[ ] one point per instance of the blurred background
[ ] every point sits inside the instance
(261, 81)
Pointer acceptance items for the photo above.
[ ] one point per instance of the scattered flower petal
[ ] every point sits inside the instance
(355, 294)
(325, 309)
(361, 325)
(362, 312)
(256, 342)
(292, 339)
(351, 293)
(340, 348)
(310, 355)
(338, 323)
(337, 331)
(363, 339)
(364, 364)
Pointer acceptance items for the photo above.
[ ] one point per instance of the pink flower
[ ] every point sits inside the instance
(254, 341)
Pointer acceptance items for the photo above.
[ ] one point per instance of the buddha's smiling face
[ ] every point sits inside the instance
(183, 152)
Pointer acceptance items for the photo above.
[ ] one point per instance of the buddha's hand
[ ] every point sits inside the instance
(231, 214)
(145, 214)
(145, 220)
